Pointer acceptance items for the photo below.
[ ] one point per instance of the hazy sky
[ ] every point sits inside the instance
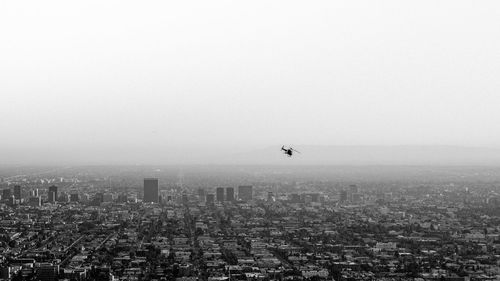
(94, 75)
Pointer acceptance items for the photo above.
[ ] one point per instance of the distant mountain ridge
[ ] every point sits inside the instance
(374, 155)
(270, 155)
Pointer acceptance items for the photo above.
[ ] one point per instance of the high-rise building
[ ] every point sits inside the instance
(122, 198)
(201, 194)
(150, 190)
(353, 188)
(107, 197)
(11, 201)
(74, 197)
(185, 199)
(17, 192)
(343, 195)
(356, 197)
(63, 197)
(219, 193)
(52, 194)
(6, 194)
(98, 199)
(245, 192)
(51, 197)
(230, 194)
(210, 199)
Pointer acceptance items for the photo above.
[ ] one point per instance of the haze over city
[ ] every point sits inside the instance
(249, 140)
(201, 81)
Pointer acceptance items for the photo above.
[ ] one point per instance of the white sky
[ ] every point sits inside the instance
(97, 74)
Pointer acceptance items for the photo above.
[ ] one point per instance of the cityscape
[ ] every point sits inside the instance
(223, 140)
(114, 223)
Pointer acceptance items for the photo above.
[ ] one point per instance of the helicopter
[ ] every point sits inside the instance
(288, 151)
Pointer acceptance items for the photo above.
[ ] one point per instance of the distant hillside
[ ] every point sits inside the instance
(311, 155)
(373, 155)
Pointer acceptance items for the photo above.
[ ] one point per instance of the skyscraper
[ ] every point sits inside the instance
(201, 194)
(52, 194)
(343, 195)
(219, 194)
(150, 190)
(245, 192)
(17, 192)
(98, 199)
(107, 197)
(122, 198)
(74, 197)
(230, 194)
(6, 194)
(210, 199)
(353, 188)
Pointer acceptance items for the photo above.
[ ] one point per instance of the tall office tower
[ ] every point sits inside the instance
(185, 199)
(245, 192)
(356, 197)
(34, 192)
(52, 194)
(107, 197)
(150, 190)
(122, 198)
(6, 194)
(74, 197)
(17, 192)
(98, 199)
(219, 194)
(230, 194)
(210, 199)
(343, 195)
(64, 197)
(353, 188)
(11, 201)
(51, 197)
(201, 194)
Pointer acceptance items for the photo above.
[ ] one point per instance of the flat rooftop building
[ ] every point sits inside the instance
(150, 190)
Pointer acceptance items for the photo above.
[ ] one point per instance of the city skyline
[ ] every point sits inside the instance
(222, 140)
